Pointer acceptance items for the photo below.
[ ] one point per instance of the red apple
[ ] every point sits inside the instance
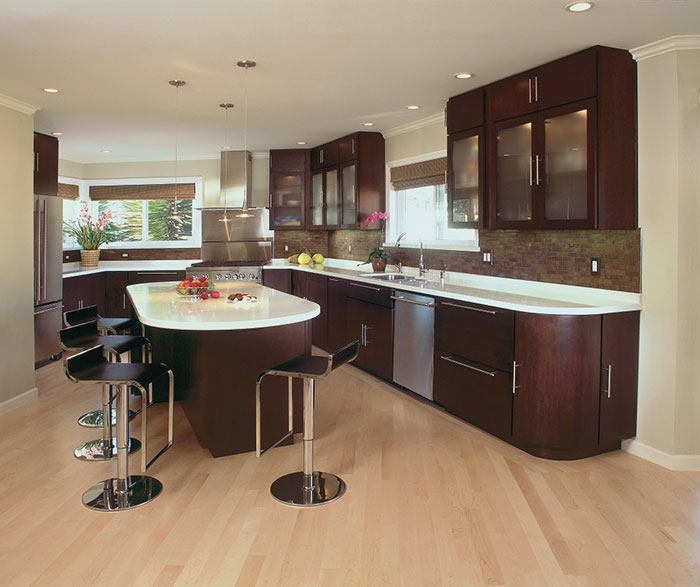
(205, 296)
(214, 294)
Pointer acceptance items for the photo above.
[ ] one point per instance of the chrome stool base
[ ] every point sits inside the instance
(94, 419)
(105, 497)
(94, 450)
(292, 490)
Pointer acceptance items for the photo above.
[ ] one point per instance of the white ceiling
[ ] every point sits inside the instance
(325, 66)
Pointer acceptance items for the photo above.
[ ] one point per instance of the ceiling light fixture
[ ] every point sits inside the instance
(57, 134)
(463, 75)
(413, 107)
(245, 64)
(224, 217)
(105, 151)
(578, 6)
(51, 90)
(368, 124)
(174, 213)
(301, 142)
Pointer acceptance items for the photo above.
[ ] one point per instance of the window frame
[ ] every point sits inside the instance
(194, 242)
(411, 240)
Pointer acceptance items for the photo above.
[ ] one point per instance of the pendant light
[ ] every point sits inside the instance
(244, 213)
(174, 213)
(224, 217)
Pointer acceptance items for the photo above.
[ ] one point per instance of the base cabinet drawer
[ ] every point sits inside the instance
(476, 393)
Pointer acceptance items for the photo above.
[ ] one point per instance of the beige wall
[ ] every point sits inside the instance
(16, 307)
(419, 141)
(207, 169)
(669, 214)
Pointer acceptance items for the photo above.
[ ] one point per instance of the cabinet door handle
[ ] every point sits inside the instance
(531, 170)
(156, 273)
(515, 367)
(456, 362)
(124, 301)
(469, 308)
(529, 90)
(365, 286)
(416, 302)
(36, 161)
(321, 156)
(353, 146)
(362, 334)
(333, 279)
(537, 170)
(367, 328)
(609, 370)
(537, 87)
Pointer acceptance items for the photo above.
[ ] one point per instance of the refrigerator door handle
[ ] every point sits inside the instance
(37, 252)
(45, 236)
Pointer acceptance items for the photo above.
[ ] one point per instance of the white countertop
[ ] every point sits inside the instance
(158, 305)
(73, 269)
(512, 294)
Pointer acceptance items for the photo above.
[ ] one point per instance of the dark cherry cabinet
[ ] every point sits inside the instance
(324, 205)
(324, 156)
(337, 336)
(45, 165)
(289, 188)
(465, 111)
(317, 290)
(510, 97)
(543, 169)
(619, 368)
(466, 182)
(372, 325)
(117, 303)
(81, 291)
(300, 284)
(279, 279)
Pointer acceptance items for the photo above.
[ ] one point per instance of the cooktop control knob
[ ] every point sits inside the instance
(252, 276)
(195, 276)
(235, 276)
(227, 276)
(218, 276)
(205, 275)
(241, 276)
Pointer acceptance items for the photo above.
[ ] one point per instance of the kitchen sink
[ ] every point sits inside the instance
(390, 277)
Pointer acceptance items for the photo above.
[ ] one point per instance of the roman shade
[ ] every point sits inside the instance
(68, 191)
(154, 191)
(418, 175)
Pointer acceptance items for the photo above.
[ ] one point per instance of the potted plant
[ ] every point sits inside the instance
(90, 234)
(378, 257)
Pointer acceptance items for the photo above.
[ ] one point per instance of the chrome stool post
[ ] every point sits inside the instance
(306, 487)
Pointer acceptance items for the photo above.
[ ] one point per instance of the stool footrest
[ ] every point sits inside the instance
(95, 450)
(276, 443)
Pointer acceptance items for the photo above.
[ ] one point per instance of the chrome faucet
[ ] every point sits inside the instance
(421, 265)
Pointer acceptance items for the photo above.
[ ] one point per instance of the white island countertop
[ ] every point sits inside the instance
(158, 305)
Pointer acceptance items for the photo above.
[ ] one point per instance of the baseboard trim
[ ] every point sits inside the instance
(19, 400)
(661, 458)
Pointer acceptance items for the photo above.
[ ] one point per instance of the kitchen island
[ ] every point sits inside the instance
(216, 348)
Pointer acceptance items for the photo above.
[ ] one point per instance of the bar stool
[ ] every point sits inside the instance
(124, 491)
(104, 325)
(80, 338)
(307, 487)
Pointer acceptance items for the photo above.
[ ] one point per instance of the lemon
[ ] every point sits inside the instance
(317, 258)
(304, 259)
(293, 259)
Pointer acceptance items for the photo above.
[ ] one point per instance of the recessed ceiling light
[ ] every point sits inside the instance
(463, 75)
(413, 107)
(579, 6)
(301, 142)
(368, 124)
(106, 151)
(57, 134)
(226, 148)
(51, 90)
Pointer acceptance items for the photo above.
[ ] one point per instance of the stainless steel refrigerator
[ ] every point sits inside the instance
(48, 276)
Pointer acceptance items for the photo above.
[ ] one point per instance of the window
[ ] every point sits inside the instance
(421, 210)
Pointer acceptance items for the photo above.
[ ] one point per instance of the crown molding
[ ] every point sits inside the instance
(18, 105)
(415, 125)
(677, 43)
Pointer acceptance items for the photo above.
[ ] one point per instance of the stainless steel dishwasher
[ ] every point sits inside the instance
(414, 321)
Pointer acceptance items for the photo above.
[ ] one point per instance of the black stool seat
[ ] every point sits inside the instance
(137, 374)
(302, 366)
(118, 343)
(116, 324)
(89, 314)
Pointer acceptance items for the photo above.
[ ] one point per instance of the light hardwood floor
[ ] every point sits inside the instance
(430, 501)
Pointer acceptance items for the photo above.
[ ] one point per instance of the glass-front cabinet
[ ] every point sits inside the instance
(317, 197)
(323, 209)
(349, 195)
(465, 179)
(287, 197)
(543, 169)
(332, 207)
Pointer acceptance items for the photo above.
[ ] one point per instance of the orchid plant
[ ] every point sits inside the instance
(91, 234)
(378, 251)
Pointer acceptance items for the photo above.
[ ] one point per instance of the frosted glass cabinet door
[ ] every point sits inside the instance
(317, 199)
(465, 183)
(332, 197)
(514, 173)
(287, 195)
(349, 196)
(566, 173)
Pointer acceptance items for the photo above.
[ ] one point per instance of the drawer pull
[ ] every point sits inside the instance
(451, 360)
(515, 367)
(365, 286)
(416, 302)
(609, 370)
(156, 273)
(492, 312)
(333, 279)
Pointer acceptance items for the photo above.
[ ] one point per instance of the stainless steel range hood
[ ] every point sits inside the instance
(236, 178)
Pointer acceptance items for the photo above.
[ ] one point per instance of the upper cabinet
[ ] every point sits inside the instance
(288, 188)
(465, 111)
(45, 165)
(349, 180)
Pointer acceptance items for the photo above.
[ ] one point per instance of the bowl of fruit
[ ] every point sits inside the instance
(194, 289)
